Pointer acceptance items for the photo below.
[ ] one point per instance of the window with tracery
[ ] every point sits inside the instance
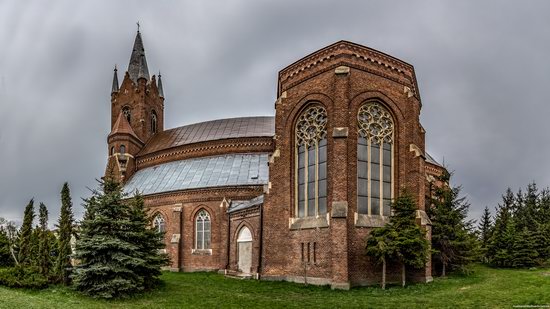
(159, 224)
(127, 113)
(311, 162)
(202, 230)
(153, 122)
(374, 159)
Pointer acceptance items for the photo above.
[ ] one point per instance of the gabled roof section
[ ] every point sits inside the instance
(199, 173)
(240, 205)
(263, 126)
(431, 160)
(137, 68)
(351, 54)
(123, 127)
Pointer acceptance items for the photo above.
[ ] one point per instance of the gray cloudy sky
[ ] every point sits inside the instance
(483, 69)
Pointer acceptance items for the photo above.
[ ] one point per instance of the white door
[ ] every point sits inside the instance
(244, 247)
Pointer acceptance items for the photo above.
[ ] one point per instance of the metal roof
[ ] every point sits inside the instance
(138, 64)
(211, 130)
(431, 160)
(240, 205)
(207, 172)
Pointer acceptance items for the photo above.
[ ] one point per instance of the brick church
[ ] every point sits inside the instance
(283, 197)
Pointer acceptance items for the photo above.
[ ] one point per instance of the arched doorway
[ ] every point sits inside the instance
(244, 247)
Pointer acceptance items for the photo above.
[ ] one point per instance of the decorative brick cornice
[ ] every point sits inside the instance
(261, 144)
(247, 212)
(204, 194)
(386, 65)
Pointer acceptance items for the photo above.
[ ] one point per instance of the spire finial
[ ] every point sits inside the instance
(115, 86)
(159, 86)
(137, 26)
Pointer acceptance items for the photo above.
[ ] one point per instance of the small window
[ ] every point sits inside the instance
(127, 113)
(159, 223)
(112, 150)
(153, 122)
(202, 231)
(122, 149)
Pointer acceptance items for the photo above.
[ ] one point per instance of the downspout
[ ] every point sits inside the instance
(181, 253)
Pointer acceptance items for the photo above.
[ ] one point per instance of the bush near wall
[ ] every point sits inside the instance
(22, 277)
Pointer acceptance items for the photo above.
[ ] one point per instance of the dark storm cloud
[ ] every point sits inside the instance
(482, 68)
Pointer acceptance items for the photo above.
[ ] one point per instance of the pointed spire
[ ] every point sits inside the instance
(115, 82)
(159, 86)
(138, 64)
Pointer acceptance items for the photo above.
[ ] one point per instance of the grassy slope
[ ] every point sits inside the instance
(486, 287)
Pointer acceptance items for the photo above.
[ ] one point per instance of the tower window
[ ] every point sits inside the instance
(311, 162)
(153, 122)
(127, 113)
(374, 159)
(122, 149)
(112, 150)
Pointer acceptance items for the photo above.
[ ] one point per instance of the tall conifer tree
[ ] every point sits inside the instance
(65, 227)
(44, 258)
(25, 240)
(484, 228)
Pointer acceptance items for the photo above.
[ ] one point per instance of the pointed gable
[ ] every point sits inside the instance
(123, 127)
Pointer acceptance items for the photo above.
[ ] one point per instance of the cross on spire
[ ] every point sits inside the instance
(137, 25)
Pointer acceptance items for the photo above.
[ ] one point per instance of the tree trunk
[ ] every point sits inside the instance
(443, 274)
(403, 274)
(383, 273)
(14, 257)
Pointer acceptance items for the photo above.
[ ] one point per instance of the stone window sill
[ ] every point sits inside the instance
(201, 251)
(308, 223)
(362, 220)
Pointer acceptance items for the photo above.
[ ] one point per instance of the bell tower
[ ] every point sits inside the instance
(137, 112)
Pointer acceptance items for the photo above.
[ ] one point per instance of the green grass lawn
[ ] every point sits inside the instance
(484, 288)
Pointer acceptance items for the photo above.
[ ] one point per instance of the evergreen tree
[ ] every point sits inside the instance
(499, 250)
(5, 254)
(484, 228)
(453, 242)
(381, 246)
(523, 249)
(149, 242)
(410, 244)
(65, 225)
(25, 241)
(44, 258)
(112, 263)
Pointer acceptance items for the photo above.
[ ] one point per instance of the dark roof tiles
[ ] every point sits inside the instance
(211, 130)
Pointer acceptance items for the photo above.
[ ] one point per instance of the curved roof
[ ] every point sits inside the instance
(211, 130)
(198, 173)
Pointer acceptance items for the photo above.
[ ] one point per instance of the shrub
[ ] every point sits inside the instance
(23, 277)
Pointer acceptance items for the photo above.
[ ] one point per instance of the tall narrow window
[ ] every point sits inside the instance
(202, 231)
(127, 113)
(122, 149)
(159, 223)
(311, 162)
(374, 160)
(153, 122)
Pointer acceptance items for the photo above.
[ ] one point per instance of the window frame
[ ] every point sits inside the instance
(379, 141)
(203, 216)
(318, 146)
(159, 223)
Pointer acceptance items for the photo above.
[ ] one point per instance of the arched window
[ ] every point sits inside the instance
(202, 230)
(159, 223)
(127, 113)
(122, 149)
(153, 122)
(112, 150)
(374, 159)
(311, 162)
